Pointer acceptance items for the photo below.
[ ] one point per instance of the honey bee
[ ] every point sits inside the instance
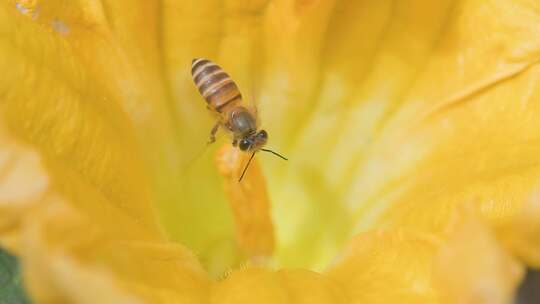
(225, 100)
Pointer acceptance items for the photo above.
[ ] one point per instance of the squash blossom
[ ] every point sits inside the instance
(411, 129)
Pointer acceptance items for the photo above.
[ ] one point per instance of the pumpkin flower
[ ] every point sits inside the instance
(411, 129)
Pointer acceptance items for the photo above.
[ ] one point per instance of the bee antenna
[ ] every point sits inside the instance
(275, 153)
(247, 165)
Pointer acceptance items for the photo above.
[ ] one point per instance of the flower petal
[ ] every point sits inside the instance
(80, 259)
(70, 254)
(78, 124)
(472, 137)
(473, 267)
(285, 286)
(466, 265)
(388, 267)
(522, 233)
(75, 93)
(439, 113)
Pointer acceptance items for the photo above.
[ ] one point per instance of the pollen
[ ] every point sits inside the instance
(28, 8)
(249, 203)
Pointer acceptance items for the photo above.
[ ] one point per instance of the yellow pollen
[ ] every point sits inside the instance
(249, 202)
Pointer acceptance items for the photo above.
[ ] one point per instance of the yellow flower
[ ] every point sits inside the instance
(410, 127)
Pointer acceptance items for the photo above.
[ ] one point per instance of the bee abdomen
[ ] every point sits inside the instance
(216, 86)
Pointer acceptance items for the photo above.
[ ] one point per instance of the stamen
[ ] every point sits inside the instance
(249, 203)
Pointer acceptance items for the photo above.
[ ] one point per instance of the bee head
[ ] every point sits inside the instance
(254, 141)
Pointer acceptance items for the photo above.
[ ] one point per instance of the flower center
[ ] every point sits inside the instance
(248, 200)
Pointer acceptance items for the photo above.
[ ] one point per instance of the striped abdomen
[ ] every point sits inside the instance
(216, 86)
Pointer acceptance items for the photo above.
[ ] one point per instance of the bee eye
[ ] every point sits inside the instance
(262, 135)
(244, 144)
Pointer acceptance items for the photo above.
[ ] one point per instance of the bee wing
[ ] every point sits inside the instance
(254, 102)
(204, 146)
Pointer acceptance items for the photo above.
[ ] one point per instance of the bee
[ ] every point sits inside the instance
(224, 99)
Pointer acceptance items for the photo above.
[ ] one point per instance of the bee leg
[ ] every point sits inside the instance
(213, 132)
